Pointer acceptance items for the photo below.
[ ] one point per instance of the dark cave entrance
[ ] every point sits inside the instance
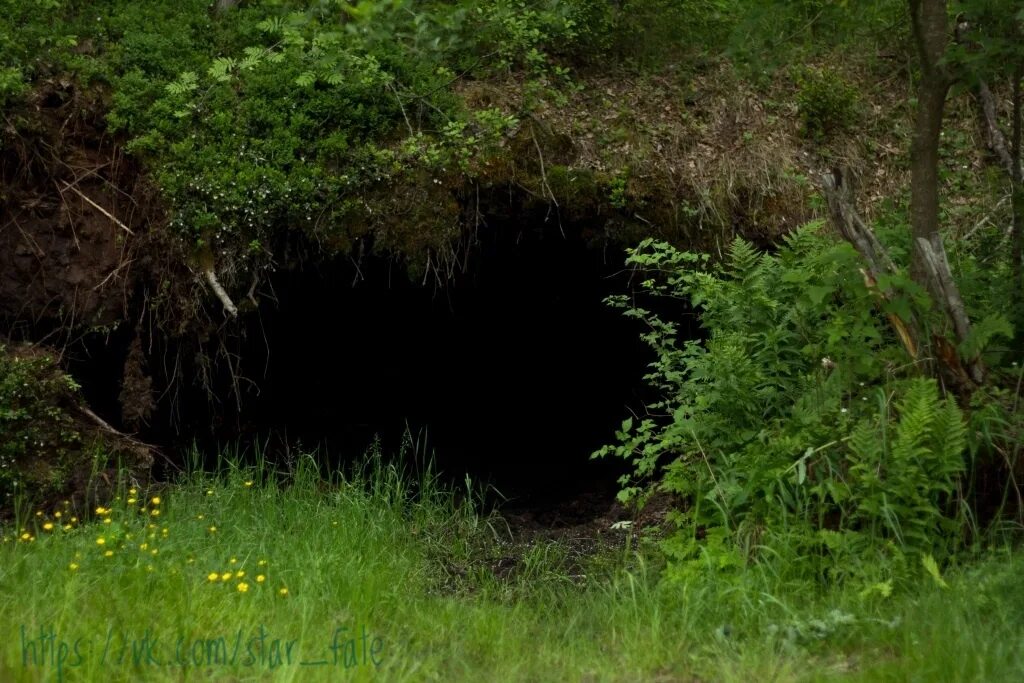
(514, 372)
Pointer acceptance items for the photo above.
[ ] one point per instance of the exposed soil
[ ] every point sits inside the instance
(71, 221)
(573, 533)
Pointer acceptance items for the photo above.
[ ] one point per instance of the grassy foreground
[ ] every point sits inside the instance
(235, 577)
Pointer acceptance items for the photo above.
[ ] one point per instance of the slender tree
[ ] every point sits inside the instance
(930, 267)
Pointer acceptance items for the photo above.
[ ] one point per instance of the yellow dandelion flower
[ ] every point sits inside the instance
(212, 576)
(243, 587)
(282, 591)
(132, 491)
(260, 578)
(25, 536)
(109, 553)
(57, 514)
(67, 527)
(261, 563)
(132, 501)
(101, 541)
(209, 492)
(234, 560)
(154, 551)
(154, 513)
(239, 574)
(48, 526)
(213, 529)
(74, 520)
(199, 516)
(248, 483)
(101, 510)
(73, 566)
(156, 500)
(39, 513)
(106, 520)
(226, 576)
(143, 546)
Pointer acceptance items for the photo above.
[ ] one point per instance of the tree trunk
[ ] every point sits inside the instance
(930, 266)
(1018, 204)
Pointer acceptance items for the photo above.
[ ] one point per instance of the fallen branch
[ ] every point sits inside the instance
(141, 446)
(68, 186)
(229, 305)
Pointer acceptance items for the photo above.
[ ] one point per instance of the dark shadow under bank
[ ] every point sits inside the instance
(514, 372)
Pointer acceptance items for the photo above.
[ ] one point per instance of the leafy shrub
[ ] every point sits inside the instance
(797, 418)
(827, 103)
(36, 432)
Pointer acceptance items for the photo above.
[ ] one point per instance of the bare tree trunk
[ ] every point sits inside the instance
(225, 5)
(930, 266)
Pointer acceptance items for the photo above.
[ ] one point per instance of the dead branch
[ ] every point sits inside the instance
(938, 273)
(851, 226)
(229, 305)
(994, 137)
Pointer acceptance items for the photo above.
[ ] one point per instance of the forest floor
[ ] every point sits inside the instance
(246, 576)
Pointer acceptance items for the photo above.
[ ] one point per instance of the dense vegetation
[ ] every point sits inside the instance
(841, 448)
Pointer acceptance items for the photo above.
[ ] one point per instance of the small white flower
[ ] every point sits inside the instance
(843, 410)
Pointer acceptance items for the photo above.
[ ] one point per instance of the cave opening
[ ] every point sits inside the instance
(512, 372)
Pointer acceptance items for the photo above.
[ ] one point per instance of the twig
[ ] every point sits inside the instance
(543, 172)
(391, 86)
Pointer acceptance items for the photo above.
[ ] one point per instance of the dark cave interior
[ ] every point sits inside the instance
(513, 372)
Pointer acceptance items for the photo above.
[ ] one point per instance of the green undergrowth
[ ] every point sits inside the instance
(174, 582)
(800, 432)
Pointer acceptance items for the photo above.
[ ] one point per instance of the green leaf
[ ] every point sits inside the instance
(932, 567)
(983, 332)
(817, 293)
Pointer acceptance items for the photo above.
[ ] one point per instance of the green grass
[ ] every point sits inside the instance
(373, 551)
